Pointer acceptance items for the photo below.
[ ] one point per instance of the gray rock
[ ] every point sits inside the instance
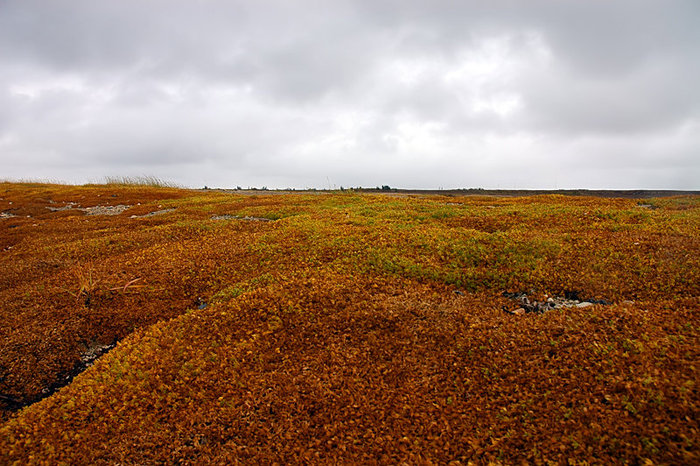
(68, 206)
(151, 214)
(647, 206)
(105, 210)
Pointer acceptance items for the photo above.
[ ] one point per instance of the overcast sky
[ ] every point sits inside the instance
(410, 93)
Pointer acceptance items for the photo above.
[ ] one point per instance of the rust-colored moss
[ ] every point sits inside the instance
(351, 328)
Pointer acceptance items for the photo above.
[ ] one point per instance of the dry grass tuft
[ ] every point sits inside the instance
(143, 180)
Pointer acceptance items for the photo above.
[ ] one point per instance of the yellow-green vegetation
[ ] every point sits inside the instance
(345, 327)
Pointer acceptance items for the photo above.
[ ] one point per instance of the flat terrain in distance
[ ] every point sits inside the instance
(148, 325)
(622, 194)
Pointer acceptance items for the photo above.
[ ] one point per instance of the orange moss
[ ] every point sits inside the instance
(335, 333)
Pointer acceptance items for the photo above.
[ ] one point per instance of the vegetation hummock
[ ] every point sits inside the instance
(148, 324)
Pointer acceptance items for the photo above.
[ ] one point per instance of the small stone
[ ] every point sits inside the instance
(584, 304)
(519, 311)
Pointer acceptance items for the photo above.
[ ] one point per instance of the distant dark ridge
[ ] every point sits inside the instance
(626, 194)
(629, 194)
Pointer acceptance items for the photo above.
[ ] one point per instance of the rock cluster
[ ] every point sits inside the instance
(96, 210)
(105, 210)
(527, 305)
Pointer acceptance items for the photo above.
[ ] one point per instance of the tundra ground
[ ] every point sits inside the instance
(147, 325)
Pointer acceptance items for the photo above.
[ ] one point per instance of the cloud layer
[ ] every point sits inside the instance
(538, 94)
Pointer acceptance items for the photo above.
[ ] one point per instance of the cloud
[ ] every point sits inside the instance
(410, 93)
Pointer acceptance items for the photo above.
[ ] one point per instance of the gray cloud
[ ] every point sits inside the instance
(410, 93)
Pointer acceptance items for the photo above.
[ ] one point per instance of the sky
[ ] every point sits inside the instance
(537, 94)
